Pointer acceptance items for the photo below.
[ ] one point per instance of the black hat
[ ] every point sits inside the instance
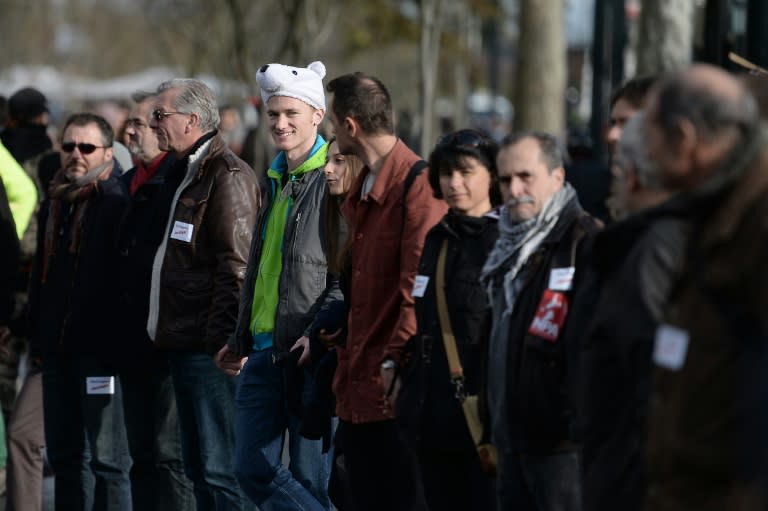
(26, 104)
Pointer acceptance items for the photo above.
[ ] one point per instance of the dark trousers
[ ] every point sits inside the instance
(158, 481)
(455, 481)
(550, 482)
(85, 436)
(382, 471)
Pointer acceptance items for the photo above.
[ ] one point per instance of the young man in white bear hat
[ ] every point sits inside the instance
(286, 274)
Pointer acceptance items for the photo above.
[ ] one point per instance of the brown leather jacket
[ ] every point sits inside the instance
(199, 268)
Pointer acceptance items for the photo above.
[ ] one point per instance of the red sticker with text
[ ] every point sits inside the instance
(550, 316)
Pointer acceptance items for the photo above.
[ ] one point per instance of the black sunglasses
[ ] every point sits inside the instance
(462, 138)
(68, 147)
(159, 115)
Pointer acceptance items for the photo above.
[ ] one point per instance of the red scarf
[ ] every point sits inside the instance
(145, 173)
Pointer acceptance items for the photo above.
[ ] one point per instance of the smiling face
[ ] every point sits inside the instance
(467, 189)
(76, 163)
(293, 125)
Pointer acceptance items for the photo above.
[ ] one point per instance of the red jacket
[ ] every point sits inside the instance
(385, 257)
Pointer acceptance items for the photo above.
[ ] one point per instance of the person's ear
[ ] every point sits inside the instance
(353, 128)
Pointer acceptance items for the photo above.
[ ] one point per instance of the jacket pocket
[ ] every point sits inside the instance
(187, 302)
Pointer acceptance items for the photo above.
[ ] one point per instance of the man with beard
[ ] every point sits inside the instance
(530, 277)
(157, 474)
(73, 320)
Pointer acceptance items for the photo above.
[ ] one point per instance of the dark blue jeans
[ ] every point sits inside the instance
(262, 419)
(85, 436)
(151, 418)
(549, 482)
(205, 401)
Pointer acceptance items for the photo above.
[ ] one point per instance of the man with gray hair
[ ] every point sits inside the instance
(530, 276)
(707, 417)
(197, 276)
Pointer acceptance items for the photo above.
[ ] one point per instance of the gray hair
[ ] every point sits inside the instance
(551, 153)
(194, 97)
(632, 152)
(710, 112)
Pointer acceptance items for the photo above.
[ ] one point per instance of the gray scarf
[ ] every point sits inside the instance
(517, 241)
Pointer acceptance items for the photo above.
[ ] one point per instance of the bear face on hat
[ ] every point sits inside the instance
(302, 83)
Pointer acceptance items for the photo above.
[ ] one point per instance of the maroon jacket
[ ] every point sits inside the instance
(385, 257)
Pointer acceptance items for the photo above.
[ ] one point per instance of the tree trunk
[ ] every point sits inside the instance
(429, 56)
(665, 38)
(540, 68)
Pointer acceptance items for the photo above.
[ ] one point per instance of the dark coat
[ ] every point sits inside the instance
(9, 258)
(539, 400)
(74, 311)
(622, 301)
(428, 410)
(708, 419)
(142, 233)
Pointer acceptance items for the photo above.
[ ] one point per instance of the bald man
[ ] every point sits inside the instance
(707, 416)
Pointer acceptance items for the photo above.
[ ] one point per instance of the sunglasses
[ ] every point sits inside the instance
(84, 148)
(159, 115)
(463, 138)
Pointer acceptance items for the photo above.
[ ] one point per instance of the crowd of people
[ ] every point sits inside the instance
(449, 333)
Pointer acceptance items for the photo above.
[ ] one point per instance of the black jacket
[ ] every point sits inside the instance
(428, 411)
(9, 258)
(633, 266)
(539, 401)
(74, 311)
(142, 233)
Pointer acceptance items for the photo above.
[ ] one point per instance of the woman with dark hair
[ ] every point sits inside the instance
(462, 170)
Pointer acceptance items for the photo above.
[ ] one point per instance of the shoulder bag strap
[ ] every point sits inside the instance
(454, 364)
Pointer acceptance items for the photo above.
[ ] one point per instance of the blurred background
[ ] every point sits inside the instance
(494, 64)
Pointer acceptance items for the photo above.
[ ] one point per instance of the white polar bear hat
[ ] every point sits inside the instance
(303, 83)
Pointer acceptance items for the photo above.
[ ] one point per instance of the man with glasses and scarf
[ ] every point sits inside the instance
(530, 277)
(73, 320)
(197, 277)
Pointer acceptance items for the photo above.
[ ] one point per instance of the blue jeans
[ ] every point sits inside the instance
(152, 422)
(550, 482)
(205, 402)
(85, 436)
(261, 420)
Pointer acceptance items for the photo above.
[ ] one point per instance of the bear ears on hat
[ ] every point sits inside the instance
(272, 77)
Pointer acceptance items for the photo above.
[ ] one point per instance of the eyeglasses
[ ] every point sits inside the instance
(84, 148)
(463, 138)
(159, 115)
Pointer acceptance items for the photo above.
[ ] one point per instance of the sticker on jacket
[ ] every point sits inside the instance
(550, 316)
(100, 385)
(670, 347)
(561, 279)
(420, 286)
(182, 231)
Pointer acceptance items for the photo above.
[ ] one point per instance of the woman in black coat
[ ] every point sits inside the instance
(462, 170)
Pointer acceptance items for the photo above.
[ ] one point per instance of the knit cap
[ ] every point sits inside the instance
(302, 83)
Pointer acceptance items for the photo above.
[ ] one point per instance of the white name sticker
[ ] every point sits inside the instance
(99, 385)
(182, 231)
(420, 286)
(561, 279)
(670, 347)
